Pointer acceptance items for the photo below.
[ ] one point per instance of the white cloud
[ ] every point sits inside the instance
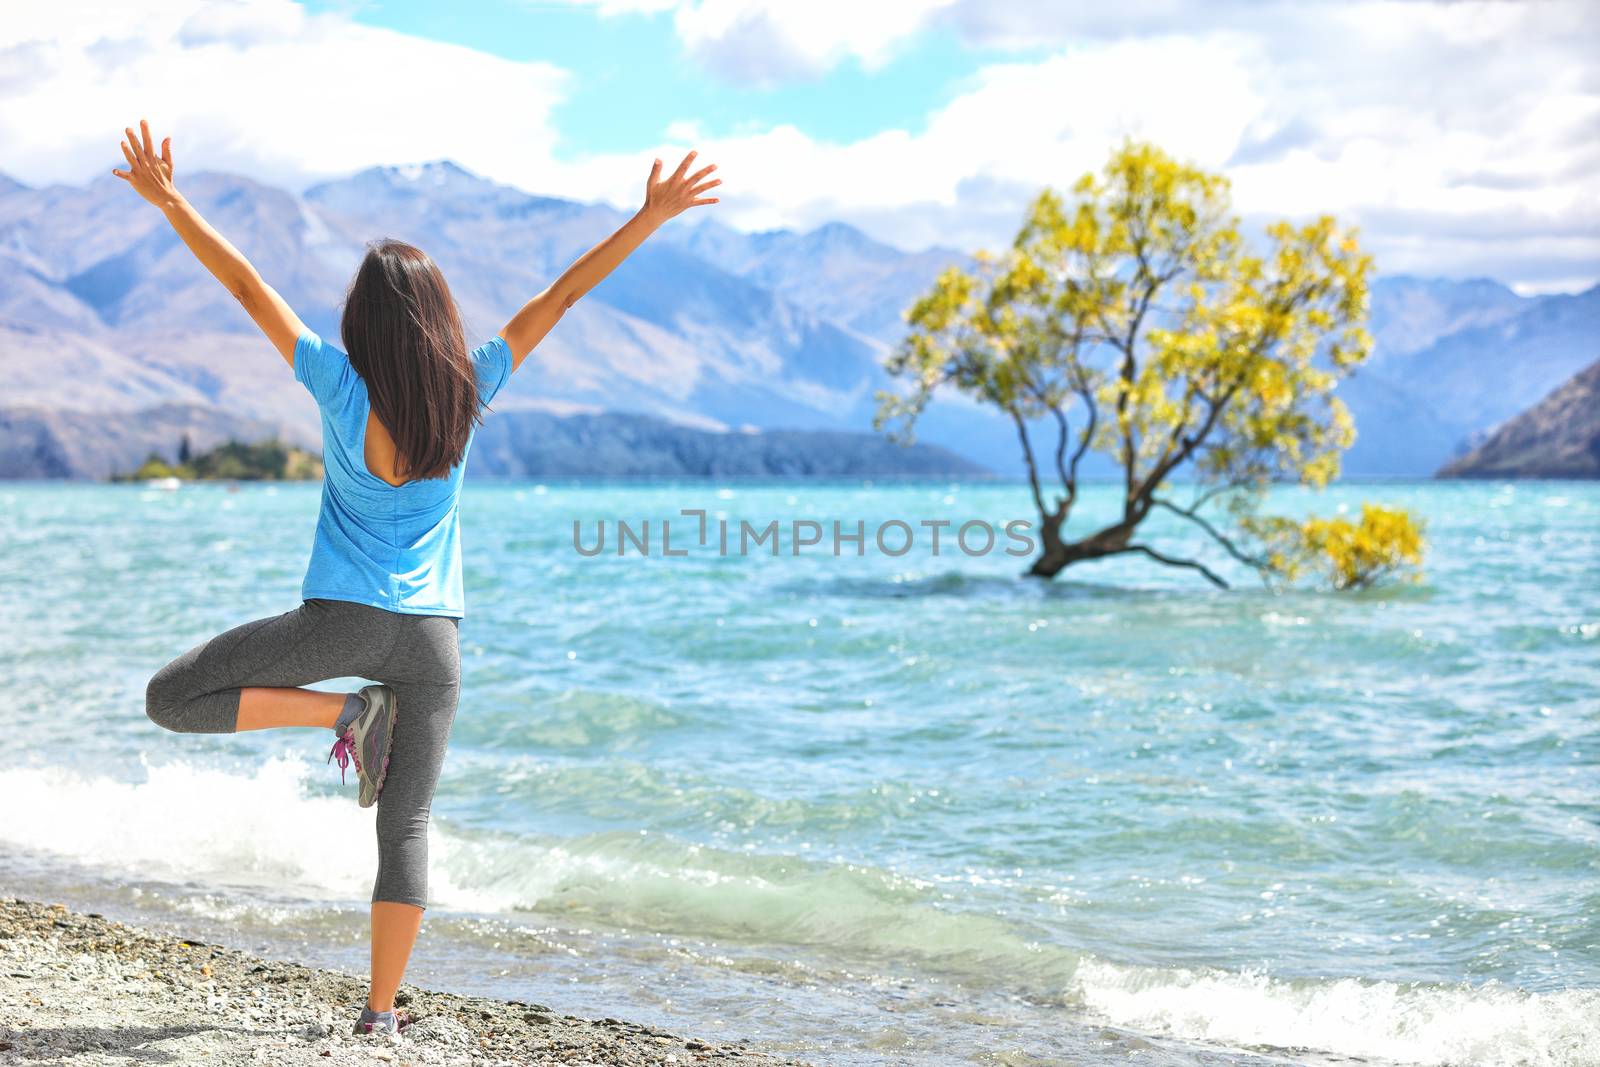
(261, 88)
(1463, 137)
(1423, 122)
(1432, 125)
(765, 42)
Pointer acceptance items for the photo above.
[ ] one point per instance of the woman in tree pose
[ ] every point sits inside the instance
(382, 597)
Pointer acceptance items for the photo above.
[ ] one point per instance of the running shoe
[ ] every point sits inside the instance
(367, 742)
(381, 1023)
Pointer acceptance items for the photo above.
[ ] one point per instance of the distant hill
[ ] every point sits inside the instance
(102, 309)
(537, 445)
(36, 443)
(835, 270)
(1559, 437)
(1454, 359)
(1408, 313)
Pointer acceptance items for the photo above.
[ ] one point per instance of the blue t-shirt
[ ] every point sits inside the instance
(396, 547)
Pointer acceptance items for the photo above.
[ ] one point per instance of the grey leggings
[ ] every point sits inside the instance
(418, 656)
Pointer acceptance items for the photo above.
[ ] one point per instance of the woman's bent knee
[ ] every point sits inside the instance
(161, 703)
(171, 703)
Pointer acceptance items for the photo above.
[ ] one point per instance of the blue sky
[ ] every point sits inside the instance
(1463, 138)
(633, 76)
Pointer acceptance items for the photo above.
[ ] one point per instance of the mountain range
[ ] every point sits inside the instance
(104, 313)
(1559, 437)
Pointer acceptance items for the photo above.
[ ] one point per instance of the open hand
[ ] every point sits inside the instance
(148, 173)
(679, 192)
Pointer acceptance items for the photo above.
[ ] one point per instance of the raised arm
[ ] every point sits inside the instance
(151, 177)
(663, 199)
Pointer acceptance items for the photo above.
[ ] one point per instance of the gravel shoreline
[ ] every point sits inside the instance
(81, 989)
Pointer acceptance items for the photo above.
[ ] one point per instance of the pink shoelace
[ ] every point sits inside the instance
(344, 750)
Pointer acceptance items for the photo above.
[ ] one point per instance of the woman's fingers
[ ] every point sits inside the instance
(680, 189)
(149, 149)
(133, 140)
(166, 152)
(133, 161)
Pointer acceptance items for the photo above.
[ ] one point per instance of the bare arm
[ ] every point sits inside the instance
(663, 200)
(151, 177)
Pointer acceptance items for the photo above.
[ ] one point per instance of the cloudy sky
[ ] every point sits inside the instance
(1463, 137)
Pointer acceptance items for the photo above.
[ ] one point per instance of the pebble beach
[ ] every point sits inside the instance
(81, 989)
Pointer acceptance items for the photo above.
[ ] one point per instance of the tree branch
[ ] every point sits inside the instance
(1068, 486)
(1027, 454)
(1205, 496)
(1088, 430)
(1221, 539)
(1161, 470)
(1173, 561)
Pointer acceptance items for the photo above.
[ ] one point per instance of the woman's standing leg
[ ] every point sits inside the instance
(425, 674)
(249, 678)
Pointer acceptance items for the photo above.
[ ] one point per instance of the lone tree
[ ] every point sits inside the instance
(1136, 323)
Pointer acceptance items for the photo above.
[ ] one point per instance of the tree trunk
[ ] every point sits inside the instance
(1054, 556)
(1059, 555)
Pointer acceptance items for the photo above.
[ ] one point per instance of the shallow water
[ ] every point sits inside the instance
(879, 810)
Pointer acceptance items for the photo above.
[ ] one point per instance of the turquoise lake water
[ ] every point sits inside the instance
(877, 810)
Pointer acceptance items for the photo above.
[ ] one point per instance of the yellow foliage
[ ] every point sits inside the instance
(1387, 542)
(1132, 313)
(1145, 280)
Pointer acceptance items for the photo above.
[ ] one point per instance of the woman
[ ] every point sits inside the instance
(382, 596)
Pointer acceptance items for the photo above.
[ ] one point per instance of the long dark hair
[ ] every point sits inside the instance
(403, 333)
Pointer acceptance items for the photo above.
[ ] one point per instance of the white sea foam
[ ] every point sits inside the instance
(1485, 1025)
(187, 823)
(208, 827)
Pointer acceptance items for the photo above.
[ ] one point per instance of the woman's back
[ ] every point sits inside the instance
(392, 546)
